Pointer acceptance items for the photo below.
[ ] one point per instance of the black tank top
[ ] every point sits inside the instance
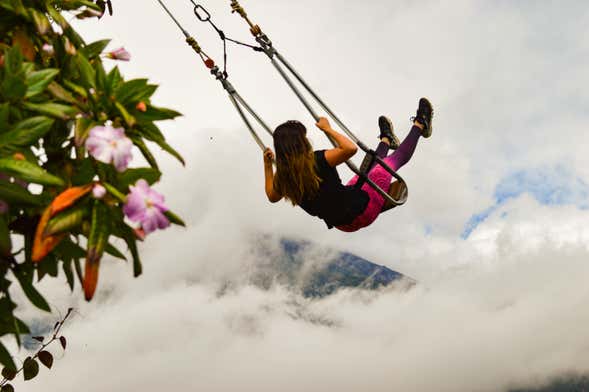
(335, 203)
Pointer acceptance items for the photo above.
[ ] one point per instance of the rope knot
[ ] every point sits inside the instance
(256, 30)
(236, 7)
(192, 42)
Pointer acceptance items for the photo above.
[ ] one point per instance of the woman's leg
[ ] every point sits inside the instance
(403, 154)
(382, 178)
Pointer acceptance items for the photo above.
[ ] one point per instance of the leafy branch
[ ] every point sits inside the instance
(30, 366)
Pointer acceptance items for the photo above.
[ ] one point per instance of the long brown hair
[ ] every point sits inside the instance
(295, 177)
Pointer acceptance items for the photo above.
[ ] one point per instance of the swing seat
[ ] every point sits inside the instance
(398, 191)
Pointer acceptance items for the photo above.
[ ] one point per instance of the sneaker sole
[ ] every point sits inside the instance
(386, 123)
(427, 132)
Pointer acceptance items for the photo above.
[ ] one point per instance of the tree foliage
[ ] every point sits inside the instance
(61, 204)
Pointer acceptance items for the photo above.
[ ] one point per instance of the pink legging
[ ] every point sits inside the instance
(382, 178)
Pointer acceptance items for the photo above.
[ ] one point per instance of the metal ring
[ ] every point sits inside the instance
(207, 16)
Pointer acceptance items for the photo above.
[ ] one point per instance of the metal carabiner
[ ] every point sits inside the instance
(207, 16)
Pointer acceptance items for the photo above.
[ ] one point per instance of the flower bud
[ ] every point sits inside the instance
(98, 191)
(69, 47)
(141, 106)
(48, 49)
(119, 54)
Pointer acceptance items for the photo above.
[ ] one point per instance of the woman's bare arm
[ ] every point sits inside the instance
(345, 147)
(272, 195)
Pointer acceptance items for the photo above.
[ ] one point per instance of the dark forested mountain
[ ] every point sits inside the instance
(318, 272)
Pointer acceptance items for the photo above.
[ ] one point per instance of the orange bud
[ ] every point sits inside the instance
(68, 197)
(90, 276)
(27, 47)
(140, 234)
(2, 61)
(18, 156)
(43, 245)
(141, 107)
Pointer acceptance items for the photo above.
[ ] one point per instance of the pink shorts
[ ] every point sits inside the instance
(382, 178)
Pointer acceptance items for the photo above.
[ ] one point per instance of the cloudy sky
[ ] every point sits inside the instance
(495, 230)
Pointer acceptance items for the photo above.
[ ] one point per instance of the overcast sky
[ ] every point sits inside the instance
(495, 230)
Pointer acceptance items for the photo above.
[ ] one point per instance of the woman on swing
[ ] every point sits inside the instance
(310, 180)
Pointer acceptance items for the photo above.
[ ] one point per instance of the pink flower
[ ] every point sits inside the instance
(110, 145)
(98, 191)
(146, 207)
(119, 54)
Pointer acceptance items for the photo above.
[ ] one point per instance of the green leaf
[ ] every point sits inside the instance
(38, 81)
(131, 240)
(156, 114)
(15, 6)
(7, 388)
(151, 132)
(175, 219)
(46, 358)
(31, 292)
(130, 176)
(49, 266)
(41, 22)
(29, 172)
(100, 75)
(95, 48)
(25, 133)
(8, 374)
(123, 231)
(129, 119)
(76, 88)
(30, 369)
(13, 61)
(82, 129)
(69, 249)
(15, 194)
(69, 274)
(145, 151)
(84, 172)
(5, 241)
(78, 269)
(62, 94)
(4, 116)
(6, 358)
(87, 73)
(111, 250)
(14, 87)
(133, 91)
(114, 79)
(56, 16)
(63, 112)
(66, 220)
(115, 192)
(99, 231)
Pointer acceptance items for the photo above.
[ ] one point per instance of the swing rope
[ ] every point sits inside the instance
(238, 102)
(277, 59)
